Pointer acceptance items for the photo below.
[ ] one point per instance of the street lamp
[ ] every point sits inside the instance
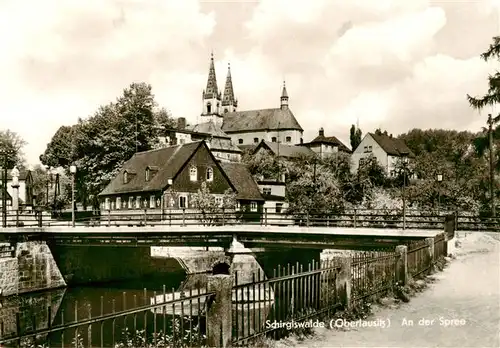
(72, 170)
(405, 167)
(439, 180)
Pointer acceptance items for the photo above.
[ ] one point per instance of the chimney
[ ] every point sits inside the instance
(321, 132)
(181, 123)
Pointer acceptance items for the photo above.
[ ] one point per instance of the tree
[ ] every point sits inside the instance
(355, 137)
(12, 145)
(491, 98)
(209, 207)
(99, 145)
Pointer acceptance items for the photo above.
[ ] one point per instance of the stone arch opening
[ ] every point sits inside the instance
(221, 268)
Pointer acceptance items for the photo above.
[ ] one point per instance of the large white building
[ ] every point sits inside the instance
(386, 149)
(248, 127)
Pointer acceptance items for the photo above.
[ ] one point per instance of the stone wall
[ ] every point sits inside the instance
(32, 268)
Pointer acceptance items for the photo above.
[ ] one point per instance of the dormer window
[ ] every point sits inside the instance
(193, 174)
(210, 174)
(150, 172)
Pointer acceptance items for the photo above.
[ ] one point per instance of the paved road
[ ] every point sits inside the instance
(468, 291)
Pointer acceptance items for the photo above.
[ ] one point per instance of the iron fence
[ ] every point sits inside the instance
(418, 258)
(272, 307)
(372, 274)
(167, 319)
(440, 247)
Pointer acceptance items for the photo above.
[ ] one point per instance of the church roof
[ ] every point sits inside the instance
(263, 119)
(211, 91)
(228, 98)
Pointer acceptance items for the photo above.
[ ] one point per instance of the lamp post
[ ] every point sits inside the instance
(72, 170)
(439, 180)
(405, 167)
(4, 188)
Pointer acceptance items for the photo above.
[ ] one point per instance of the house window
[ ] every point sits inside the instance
(125, 178)
(288, 139)
(137, 202)
(152, 201)
(218, 201)
(148, 174)
(182, 141)
(130, 202)
(253, 206)
(210, 174)
(118, 202)
(279, 207)
(183, 202)
(106, 204)
(226, 110)
(273, 139)
(237, 206)
(361, 161)
(240, 141)
(369, 148)
(266, 191)
(255, 140)
(193, 174)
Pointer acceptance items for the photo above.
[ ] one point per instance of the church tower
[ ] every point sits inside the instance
(284, 98)
(212, 98)
(229, 102)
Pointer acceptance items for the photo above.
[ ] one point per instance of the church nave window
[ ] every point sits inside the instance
(255, 140)
(240, 141)
(288, 139)
(273, 139)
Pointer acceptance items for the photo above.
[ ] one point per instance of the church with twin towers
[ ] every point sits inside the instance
(246, 127)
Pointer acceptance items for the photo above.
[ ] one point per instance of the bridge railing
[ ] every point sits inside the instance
(358, 218)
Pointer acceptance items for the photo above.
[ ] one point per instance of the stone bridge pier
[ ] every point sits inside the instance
(289, 295)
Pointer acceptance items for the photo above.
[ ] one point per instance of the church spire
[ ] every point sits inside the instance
(284, 97)
(229, 103)
(211, 91)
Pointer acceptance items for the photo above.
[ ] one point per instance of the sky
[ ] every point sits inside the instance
(392, 64)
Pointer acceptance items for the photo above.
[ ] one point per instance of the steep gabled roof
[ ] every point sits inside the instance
(284, 150)
(168, 160)
(392, 146)
(263, 119)
(208, 128)
(242, 180)
(320, 139)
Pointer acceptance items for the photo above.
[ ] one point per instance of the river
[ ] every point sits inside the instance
(80, 302)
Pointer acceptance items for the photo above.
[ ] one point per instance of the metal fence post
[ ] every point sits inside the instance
(307, 219)
(430, 244)
(402, 264)
(183, 216)
(109, 217)
(223, 217)
(17, 218)
(265, 216)
(219, 313)
(145, 216)
(355, 218)
(344, 282)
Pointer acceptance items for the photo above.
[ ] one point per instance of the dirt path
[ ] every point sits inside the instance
(467, 292)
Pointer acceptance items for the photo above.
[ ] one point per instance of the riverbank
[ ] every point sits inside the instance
(459, 307)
